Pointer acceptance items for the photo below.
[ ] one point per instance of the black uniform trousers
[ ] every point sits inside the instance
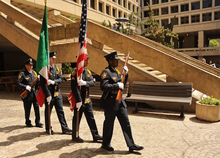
(27, 102)
(88, 111)
(57, 102)
(108, 126)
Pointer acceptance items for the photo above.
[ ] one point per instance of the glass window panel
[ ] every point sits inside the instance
(195, 5)
(207, 3)
(164, 10)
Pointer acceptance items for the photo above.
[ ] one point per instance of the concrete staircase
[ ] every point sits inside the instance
(148, 60)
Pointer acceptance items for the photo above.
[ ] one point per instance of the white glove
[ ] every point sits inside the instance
(78, 105)
(49, 82)
(49, 99)
(28, 88)
(82, 83)
(125, 68)
(38, 77)
(121, 85)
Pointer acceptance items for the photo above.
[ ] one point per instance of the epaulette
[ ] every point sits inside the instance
(35, 73)
(118, 72)
(89, 72)
(58, 70)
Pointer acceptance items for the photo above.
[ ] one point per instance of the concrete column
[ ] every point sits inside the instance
(200, 39)
(96, 5)
(126, 4)
(110, 10)
(104, 7)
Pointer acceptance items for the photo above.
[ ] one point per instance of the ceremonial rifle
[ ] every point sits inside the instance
(118, 98)
(24, 94)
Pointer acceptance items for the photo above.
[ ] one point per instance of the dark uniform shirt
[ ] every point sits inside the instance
(84, 95)
(27, 78)
(109, 79)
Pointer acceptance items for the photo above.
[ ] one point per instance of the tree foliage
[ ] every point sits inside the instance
(157, 33)
(213, 43)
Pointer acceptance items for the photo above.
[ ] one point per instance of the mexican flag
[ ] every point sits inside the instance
(43, 57)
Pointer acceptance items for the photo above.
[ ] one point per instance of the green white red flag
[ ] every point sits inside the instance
(43, 56)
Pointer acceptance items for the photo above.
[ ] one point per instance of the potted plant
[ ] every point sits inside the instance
(208, 108)
(67, 70)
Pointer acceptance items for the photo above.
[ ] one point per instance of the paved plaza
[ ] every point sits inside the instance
(163, 135)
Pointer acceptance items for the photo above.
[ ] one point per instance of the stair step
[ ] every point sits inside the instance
(141, 65)
(148, 68)
(163, 76)
(156, 72)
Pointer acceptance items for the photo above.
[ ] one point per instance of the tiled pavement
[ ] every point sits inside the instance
(163, 135)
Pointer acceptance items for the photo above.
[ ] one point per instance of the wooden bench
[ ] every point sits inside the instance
(9, 80)
(175, 93)
(94, 92)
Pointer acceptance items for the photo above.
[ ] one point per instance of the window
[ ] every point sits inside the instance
(100, 7)
(74, 0)
(207, 3)
(195, 5)
(146, 1)
(133, 9)
(129, 6)
(217, 15)
(155, 2)
(164, 22)
(174, 9)
(163, 1)
(156, 12)
(119, 13)
(119, 2)
(195, 18)
(184, 7)
(207, 17)
(124, 4)
(175, 21)
(113, 0)
(164, 10)
(146, 14)
(185, 20)
(113, 12)
(217, 2)
(107, 10)
(92, 4)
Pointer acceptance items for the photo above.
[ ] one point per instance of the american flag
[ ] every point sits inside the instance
(82, 54)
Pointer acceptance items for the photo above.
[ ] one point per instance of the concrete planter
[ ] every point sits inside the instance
(207, 112)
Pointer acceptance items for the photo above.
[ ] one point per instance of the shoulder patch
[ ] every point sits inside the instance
(103, 74)
(19, 76)
(73, 73)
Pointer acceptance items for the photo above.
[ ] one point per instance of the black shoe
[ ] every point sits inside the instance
(135, 147)
(65, 131)
(97, 138)
(29, 125)
(52, 132)
(39, 125)
(79, 140)
(109, 148)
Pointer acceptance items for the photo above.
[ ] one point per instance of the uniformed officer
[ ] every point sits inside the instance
(53, 92)
(83, 102)
(25, 79)
(110, 84)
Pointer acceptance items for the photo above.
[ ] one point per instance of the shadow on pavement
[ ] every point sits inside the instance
(21, 137)
(92, 152)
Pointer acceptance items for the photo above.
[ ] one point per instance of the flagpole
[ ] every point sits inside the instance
(49, 121)
(77, 115)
